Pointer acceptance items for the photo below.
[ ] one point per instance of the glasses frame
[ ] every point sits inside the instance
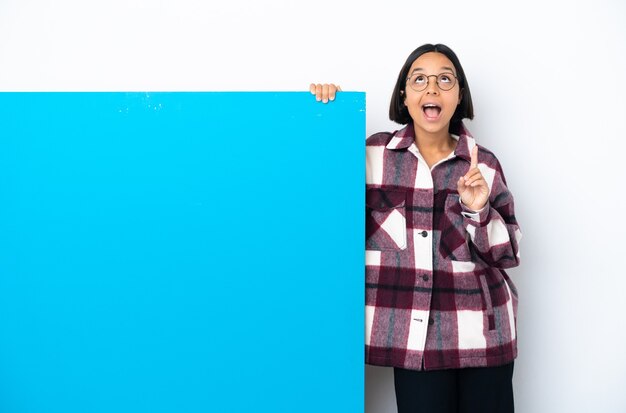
(411, 84)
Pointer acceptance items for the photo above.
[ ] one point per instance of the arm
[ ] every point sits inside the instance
(489, 216)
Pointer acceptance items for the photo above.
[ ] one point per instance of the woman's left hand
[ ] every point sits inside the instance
(472, 187)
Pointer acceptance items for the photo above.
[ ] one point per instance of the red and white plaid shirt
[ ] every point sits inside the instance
(436, 293)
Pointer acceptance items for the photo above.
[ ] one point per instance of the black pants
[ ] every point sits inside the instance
(469, 390)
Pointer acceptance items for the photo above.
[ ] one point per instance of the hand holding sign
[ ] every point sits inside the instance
(472, 187)
(324, 92)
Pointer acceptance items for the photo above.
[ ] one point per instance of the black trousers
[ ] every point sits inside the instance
(469, 390)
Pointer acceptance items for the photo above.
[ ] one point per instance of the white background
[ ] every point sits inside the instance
(548, 85)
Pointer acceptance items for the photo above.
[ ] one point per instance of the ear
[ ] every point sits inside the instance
(403, 97)
(460, 96)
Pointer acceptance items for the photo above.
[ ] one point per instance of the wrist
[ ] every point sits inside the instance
(473, 208)
(478, 216)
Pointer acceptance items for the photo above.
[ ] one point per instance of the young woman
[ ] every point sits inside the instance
(440, 230)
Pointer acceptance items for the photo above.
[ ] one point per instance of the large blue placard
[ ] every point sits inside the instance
(181, 252)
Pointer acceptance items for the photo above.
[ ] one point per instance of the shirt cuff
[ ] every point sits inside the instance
(479, 216)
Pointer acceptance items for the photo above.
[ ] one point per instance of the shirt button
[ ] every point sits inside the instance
(431, 321)
(424, 234)
(425, 277)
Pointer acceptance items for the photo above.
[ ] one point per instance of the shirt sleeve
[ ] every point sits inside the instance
(494, 230)
(470, 213)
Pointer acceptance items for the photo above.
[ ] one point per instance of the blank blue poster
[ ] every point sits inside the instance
(181, 252)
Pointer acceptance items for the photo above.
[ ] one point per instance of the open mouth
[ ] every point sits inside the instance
(431, 110)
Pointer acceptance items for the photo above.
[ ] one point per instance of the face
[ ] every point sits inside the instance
(432, 108)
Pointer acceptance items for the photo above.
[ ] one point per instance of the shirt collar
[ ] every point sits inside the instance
(405, 137)
(402, 138)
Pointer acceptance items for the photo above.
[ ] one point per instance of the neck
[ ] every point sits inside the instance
(433, 141)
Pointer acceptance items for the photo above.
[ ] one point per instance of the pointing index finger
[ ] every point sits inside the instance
(474, 157)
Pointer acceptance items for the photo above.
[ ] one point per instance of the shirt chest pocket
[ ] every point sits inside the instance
(454, 243)
(385, 214)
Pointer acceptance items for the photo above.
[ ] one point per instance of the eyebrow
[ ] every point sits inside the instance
(417, 69)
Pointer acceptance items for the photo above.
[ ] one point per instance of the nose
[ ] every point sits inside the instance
(432, 87)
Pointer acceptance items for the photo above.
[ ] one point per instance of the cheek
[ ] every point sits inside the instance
(411, 102)
(452, 104)
(413, 108)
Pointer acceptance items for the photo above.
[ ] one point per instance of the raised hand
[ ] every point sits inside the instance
(472, 187)
(324, 92)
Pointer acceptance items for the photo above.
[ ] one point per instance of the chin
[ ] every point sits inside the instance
(432, 128)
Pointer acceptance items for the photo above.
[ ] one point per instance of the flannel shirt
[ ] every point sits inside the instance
(437, 295)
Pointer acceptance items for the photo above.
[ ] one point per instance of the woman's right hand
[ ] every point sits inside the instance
(324, 92)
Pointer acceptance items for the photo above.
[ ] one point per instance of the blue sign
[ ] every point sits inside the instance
(181, 252)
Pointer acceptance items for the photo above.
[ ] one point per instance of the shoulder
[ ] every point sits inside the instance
(467, 143)
(488, 162)
(379, 139)
(490, 166)
(487, 157)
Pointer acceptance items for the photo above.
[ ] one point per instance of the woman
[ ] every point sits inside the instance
(440, 230)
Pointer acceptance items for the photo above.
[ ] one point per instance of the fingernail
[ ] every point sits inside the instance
(325, 100)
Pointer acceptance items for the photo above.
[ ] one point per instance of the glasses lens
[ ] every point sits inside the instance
(446, 81)
(418, 81)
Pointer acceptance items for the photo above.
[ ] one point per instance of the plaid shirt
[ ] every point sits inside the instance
(437, 296)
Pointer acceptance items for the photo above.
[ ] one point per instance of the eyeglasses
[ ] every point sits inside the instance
(419, 81)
